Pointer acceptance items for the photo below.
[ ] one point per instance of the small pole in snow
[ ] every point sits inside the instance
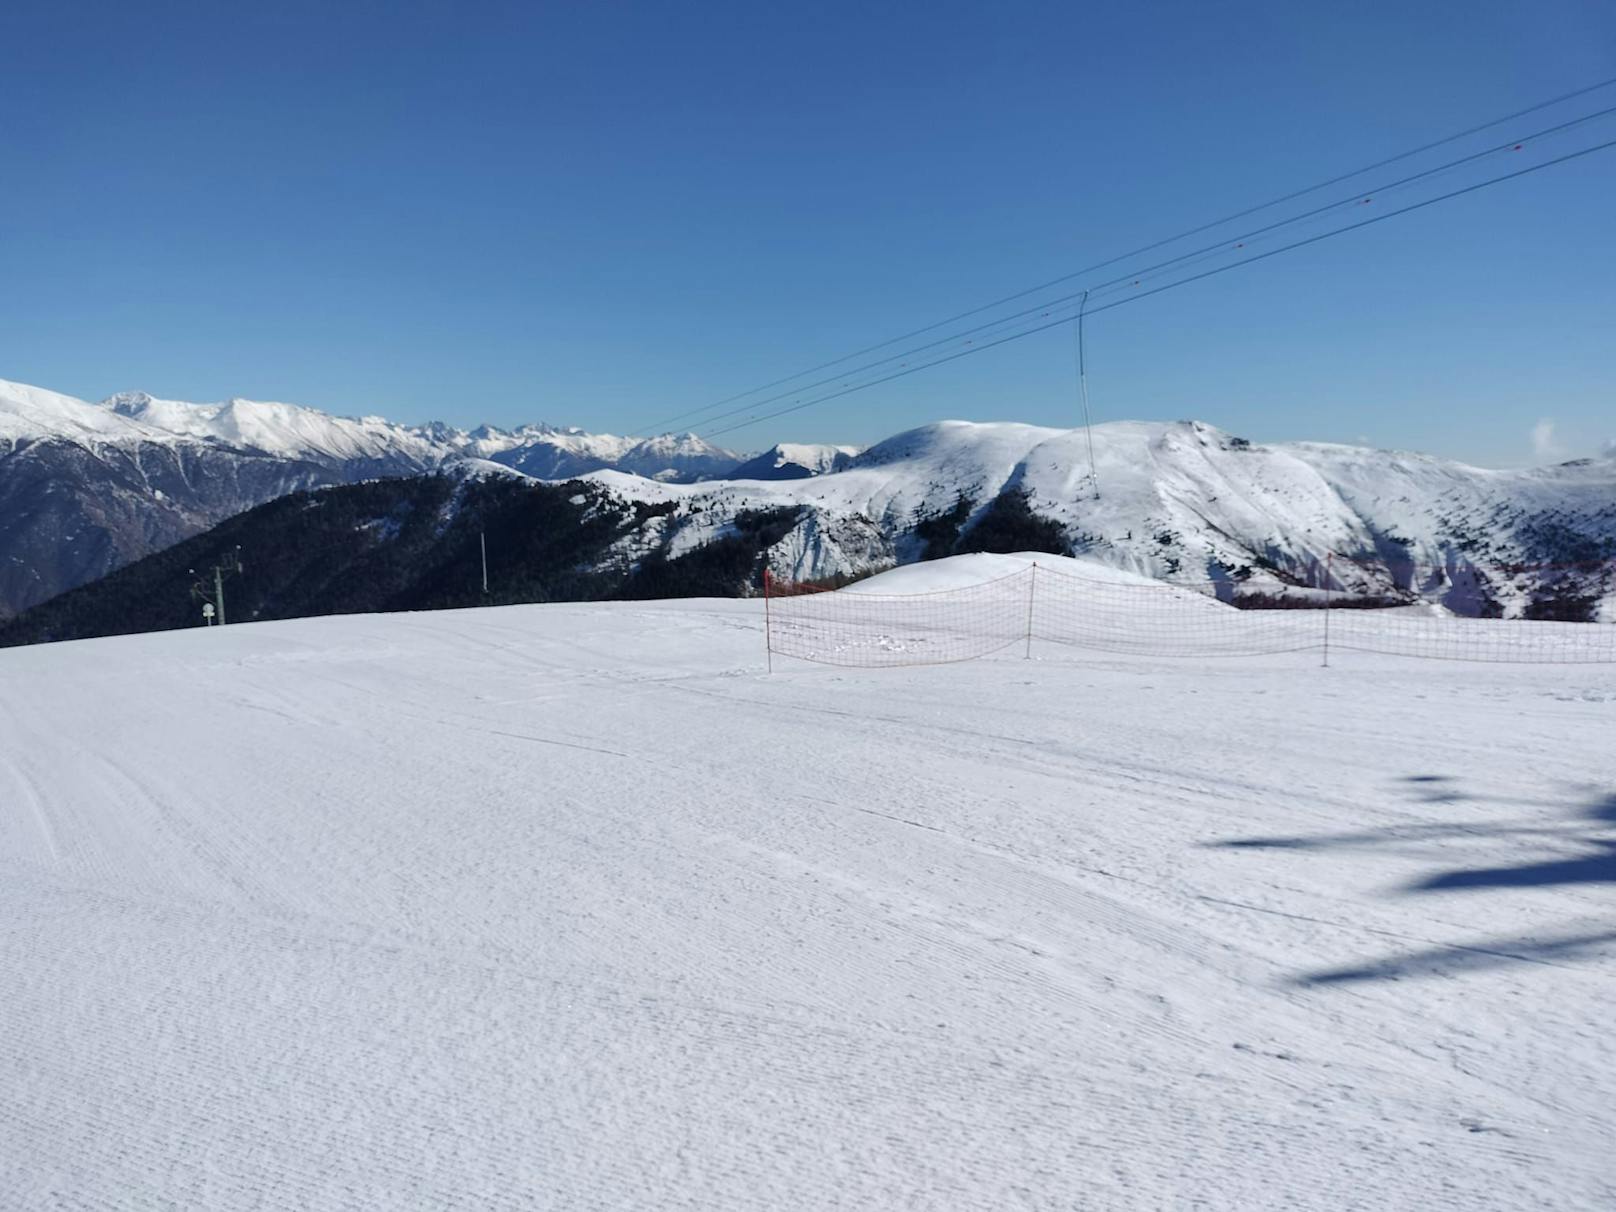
(482, 541)
(768, 622)
(1032, 580)
(1329, 566)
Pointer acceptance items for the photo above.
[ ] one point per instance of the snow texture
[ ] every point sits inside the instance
(573, 907)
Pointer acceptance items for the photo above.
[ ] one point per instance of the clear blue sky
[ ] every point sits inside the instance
(604, 214)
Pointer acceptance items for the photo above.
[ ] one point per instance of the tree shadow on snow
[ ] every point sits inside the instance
(1596, 868)
(1457, 958)
(1590, 830)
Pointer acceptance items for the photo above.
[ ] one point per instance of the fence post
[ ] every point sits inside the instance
(1329, 576)
(768, 621)
(1032, 580)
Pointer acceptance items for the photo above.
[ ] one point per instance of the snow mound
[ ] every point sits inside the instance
(966, 571)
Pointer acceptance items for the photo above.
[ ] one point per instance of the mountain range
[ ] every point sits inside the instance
(86, 488)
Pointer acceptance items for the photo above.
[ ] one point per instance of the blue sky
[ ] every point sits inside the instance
(609, 214)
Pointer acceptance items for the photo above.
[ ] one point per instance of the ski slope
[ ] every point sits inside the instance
(573, 907)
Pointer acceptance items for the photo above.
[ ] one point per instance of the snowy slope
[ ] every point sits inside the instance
(968, 571)
(33, 413)
(678, 457)
(572, 907)
(285, 430)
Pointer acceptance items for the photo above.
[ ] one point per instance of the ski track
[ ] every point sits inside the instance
(572, 907)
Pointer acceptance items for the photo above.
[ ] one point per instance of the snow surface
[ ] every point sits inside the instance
(573, 907)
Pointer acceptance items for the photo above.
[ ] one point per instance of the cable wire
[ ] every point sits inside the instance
(1083, 390)
(1314, 239)
(1183, 235)
(1136, 277)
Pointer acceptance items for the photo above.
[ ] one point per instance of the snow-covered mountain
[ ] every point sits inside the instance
(1184, 501)
(87, 487)
(796, 461)
(292, 431)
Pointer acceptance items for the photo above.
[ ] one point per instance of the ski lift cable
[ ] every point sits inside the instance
(1134, 298)
(1135, 278)
(1152, 247)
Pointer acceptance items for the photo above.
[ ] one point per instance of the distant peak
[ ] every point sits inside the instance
(128, 402)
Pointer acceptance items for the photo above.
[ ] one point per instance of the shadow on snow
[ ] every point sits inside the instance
(1589, 829)
(1457, 958)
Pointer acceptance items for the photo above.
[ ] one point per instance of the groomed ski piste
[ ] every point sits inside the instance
(576, 907)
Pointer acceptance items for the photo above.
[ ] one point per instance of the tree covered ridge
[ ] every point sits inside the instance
(413, 543)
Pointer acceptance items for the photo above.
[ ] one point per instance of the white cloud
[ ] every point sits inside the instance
(1609, 449)
(1543, 444)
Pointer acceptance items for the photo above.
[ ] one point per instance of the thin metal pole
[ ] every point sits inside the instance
(482, 539)
(768, 622)
(1329, 576)
(218, 590)
(1032, 581)
(1083, 388)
